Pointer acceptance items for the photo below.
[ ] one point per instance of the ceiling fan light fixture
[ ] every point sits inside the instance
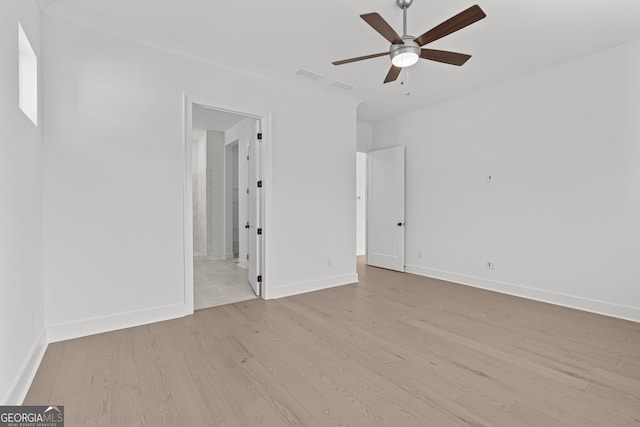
(404, 59)
(405, 55)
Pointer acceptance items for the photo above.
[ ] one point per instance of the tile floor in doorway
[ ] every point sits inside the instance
(220, 282)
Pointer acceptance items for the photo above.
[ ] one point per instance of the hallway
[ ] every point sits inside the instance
(220, 282)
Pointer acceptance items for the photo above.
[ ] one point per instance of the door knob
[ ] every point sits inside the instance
(400, 224)
(246, 226)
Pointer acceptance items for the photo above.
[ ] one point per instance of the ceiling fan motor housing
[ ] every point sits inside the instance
(405, 55)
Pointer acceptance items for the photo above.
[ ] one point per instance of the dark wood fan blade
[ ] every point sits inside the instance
(360, 58)
(393, 74)
(451, 25)
(378, 23)
(452, 58)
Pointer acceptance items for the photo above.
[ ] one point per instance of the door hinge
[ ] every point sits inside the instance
(247, 191)
(259, 230)
(247, 157)
(260, 184)
(259, 136)
(247, 256)
(259, 279)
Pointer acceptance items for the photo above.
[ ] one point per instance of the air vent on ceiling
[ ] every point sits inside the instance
(308, 74)
(341, 85)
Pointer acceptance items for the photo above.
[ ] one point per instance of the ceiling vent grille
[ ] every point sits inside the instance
(308, 74)
(341, 85)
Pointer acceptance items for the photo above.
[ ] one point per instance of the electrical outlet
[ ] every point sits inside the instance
(490, 178)
(491, 265)
(419, 254)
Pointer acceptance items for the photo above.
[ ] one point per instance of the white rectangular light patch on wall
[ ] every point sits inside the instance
(27, 77)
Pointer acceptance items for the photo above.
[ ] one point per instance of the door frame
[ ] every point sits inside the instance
(255, 206)
(365, 179)
(189, 101)
(400, 218)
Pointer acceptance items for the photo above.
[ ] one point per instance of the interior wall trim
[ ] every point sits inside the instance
(565, 300)
(18, 390)
(313, 285)
(83, 18)
(97, 325)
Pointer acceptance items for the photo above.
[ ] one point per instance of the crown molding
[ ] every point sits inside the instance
(55, 10)
(550, 73)
(44, 5)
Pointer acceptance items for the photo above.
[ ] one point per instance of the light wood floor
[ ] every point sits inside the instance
(393, 350)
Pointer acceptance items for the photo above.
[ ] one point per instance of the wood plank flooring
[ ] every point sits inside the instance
(394, 350)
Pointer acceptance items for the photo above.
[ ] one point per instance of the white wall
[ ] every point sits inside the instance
(114, 173)
(22, 338)
(217, 213)
(313, 187)
(561, 220)
(361, 203)
(364, 140)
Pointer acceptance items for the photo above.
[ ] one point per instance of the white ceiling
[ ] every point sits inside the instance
(282, 36)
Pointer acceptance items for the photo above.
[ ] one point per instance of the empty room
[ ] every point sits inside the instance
(381, 213)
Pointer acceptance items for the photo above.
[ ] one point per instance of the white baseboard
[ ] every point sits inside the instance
(18, 390)
(314, 285)
(571, 301)
(97, 325)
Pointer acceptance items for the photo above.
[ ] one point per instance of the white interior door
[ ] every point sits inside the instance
(254, 217)
(385, 208)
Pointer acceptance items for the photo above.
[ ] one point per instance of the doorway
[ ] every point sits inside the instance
(218, 198)
(361, 204)
(385, 208)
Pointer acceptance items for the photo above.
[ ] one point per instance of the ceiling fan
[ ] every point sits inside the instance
(406, 50)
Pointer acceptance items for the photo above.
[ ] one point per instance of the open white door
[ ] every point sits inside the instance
(255, 205)
(385, 208)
